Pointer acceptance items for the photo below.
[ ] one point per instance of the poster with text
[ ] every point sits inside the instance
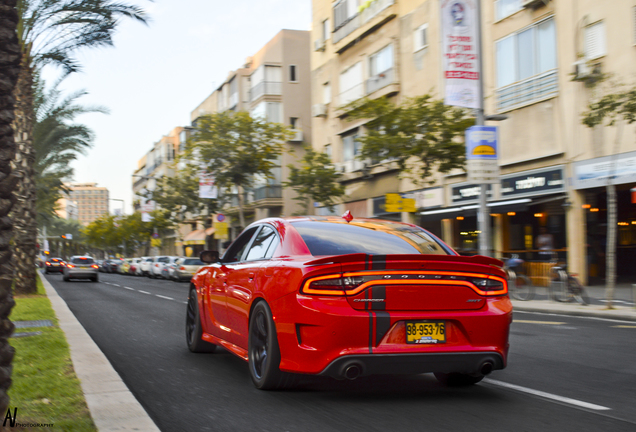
(207, 186)
(460, 53)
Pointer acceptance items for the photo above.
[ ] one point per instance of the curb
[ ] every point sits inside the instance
(620, 313)
(111, 404)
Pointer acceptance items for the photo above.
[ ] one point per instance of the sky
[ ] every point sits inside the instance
(155, 75)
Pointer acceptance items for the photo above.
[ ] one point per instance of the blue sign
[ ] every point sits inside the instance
(220, 217)
(481, 143)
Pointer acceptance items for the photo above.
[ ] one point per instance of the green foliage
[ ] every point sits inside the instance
(315, 180)
(57, 142)
(618, 105)
(51, 31)
(178, 196)
(421, 135)
(58, 226)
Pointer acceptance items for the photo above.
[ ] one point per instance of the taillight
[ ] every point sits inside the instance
(63, 264)
(489, 286)
(70, 266)
(94, 266)
(182, 268)
(48, 263)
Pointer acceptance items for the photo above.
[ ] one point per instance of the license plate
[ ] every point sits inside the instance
(56, 265)
(425, 332)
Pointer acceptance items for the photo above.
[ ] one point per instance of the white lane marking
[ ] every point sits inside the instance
(164, 297)
(144, 292)
(549, 396)
(538, 322)
(184, 302)
(116, 285)
(129, 288)
(624, 326)
(575, 316)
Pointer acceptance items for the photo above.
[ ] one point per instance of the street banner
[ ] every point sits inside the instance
(146, 206)
(460, 59)
(207, 186)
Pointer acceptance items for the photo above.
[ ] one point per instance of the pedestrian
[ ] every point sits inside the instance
(545, 243)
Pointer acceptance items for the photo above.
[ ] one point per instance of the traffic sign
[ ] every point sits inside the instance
(483, 171)
(481, 143)
(394, 203)
(220, 217)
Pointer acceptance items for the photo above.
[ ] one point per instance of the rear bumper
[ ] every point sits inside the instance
(81, 274)
(416, 363)
(54, 269)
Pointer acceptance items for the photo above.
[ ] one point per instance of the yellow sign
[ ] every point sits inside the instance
(394, 203)
(221, 231)
(155, 242)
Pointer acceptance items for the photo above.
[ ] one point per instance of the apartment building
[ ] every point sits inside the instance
(87, 201)
(541, 61)
(67, 209)
(273, 84)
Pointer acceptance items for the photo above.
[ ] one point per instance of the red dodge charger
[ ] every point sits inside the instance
(346, 298)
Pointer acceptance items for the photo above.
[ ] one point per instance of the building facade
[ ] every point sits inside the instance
(88, 200)
(542, 61)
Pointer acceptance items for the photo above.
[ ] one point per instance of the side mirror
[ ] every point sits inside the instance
(209, 256)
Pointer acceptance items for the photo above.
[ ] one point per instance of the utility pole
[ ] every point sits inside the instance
(483, 218)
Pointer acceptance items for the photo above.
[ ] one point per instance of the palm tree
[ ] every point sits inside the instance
(9, 69)
(50, 32)
(57, 143)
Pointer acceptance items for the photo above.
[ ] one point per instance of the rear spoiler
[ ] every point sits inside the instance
(361, 257)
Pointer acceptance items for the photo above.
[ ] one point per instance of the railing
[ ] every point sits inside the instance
(248, 198)
(264, 192)
(265, 88)
(355, 92)
(360, 19)
(374, 9)
(234, 98)
(534, 89)
(380, 80)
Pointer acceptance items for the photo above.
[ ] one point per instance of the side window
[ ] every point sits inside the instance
(235, 252)
(262, 243)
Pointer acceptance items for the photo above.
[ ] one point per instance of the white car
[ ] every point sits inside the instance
(146, 265)
(157, 265)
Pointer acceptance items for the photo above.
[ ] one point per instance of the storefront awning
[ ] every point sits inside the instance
(196, 237)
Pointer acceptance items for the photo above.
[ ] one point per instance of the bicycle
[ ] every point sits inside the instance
(565, 287)
(519, 285)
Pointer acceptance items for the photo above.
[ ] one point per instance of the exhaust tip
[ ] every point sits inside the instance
(486, 368)
(352, 372)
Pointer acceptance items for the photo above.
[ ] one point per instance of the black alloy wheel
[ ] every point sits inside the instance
(264, 353)
(193, 327)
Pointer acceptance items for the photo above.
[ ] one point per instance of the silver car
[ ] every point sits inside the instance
(81, 267)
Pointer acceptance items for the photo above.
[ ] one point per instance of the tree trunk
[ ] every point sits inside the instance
(9, 70)
(240, 206)
(24, 214)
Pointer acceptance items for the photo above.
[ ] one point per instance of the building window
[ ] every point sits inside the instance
(293, 122)
(327, 150)
(381, 61)
(526, 66)
(343, 11)
(504, 8)
(351, 84)
(350, 147)
(270, 111)
(292, 73)
(420, 37)
(595, 41)
(325, 30)
(326, 93)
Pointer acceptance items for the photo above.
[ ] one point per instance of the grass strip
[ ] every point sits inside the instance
(45, 388)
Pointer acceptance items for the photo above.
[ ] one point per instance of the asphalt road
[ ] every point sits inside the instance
(564, 374)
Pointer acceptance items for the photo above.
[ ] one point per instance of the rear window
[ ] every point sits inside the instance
(82, 261)
(381, 238)
(55, 260)
(163, 259)
(193, 261)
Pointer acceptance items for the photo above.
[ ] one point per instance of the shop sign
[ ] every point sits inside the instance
(468, 192)
(597, 172)
(533, 182)
(395, 203)
(428, 198)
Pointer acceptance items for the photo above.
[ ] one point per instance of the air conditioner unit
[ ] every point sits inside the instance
(534, 4)
(319, 110)
(320, 45)
(582, 69)
(339, 167)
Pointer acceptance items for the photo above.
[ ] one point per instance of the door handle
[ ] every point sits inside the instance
(251, 276)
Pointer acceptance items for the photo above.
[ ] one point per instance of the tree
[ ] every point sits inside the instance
(421, 135)
(178, 196)
(234, 148)
(9, 71)
(57, 143)
(614, 108)
(315, 180)
(50, 32)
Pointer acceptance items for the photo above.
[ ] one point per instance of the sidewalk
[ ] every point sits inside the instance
(623, 304)
(113, 407)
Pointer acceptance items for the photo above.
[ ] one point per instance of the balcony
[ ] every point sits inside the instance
(379, 81)
(234, 98)
(360, 20)
(268, 192)
(298, 135)
(354, 93)
(532, 90)
(266, 88)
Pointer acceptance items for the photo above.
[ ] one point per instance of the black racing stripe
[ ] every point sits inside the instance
(378, 292)
(366, 296)
(382, 325)
(370, 332)
(378, 262)
(367, 266)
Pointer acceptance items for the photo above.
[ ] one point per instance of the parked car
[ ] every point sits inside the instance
(352, 298)
(146, 265)
(54, 265)
(81, 267)
(113, 265)
(167, 272)
(124, 266)
(135, 264)
(158, 263)
(186, 268)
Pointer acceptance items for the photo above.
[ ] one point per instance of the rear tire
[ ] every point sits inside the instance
(66, 278)
(95, 279)
(263, 351)
(194, 330)
(457, 379)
